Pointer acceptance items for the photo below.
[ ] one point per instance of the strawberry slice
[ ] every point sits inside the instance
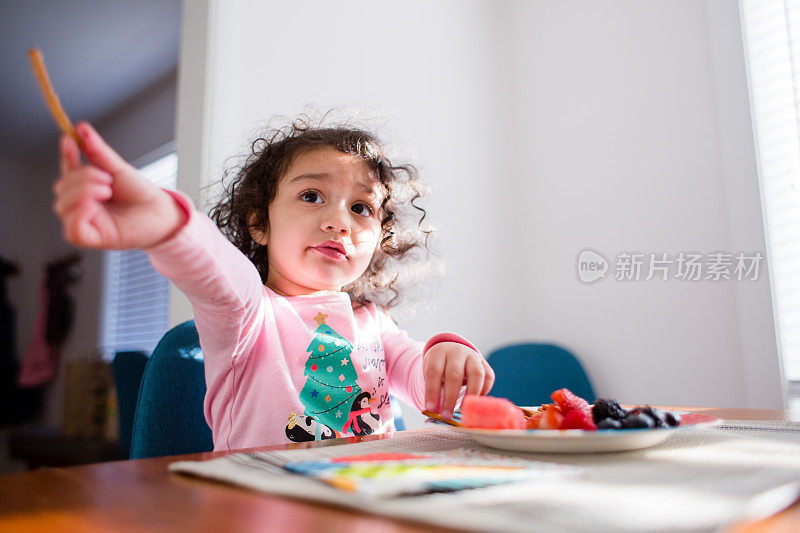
(578, 419)
(568, 401)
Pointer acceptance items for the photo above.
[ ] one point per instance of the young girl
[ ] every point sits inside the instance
(290, 311)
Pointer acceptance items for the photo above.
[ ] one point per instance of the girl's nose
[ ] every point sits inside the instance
(337, 222)
(338, 229)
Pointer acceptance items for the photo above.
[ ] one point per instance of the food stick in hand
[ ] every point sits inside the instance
(50, 96)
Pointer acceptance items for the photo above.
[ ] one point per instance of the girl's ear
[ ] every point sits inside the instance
(258, 234)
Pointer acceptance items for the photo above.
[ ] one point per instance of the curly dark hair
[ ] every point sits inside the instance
(250, 188)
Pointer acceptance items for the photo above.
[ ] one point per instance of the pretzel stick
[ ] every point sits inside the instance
(526, 411)
(440, 418)
(50, 96)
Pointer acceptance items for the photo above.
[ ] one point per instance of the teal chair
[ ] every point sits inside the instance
(169, 415)
(128, 369)
(527, 374)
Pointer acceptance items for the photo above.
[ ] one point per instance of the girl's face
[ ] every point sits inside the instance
(324, 223)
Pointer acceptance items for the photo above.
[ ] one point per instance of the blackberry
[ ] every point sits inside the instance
(672, 419)
(609, 423)
(637, 420)
(607, 408)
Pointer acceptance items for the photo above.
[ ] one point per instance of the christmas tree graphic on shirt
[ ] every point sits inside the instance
(331, 378)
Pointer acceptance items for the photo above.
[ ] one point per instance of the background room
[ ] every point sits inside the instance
(544, 129)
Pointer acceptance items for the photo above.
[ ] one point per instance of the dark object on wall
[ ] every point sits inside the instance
(53, 323)
(60, 306)
(8, 320)
(16, 405)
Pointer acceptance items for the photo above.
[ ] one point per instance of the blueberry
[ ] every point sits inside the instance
(658, 417)
(637, 420)
(609, 423)
(607, 408)
(672, 419)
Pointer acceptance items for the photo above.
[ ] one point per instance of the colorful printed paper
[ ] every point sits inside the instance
(385, 475)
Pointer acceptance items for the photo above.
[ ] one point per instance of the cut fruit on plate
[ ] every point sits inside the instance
(491, 413)
(581, 441)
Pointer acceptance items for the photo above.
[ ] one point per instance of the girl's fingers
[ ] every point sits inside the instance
(453, 378)
(488, 380)
(98, 152)
(476, 374)
(69, 155)
(433, 370)
(69, 198)
(77, 224)
(78, 177)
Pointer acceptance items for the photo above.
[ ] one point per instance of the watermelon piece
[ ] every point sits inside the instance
(491, 413)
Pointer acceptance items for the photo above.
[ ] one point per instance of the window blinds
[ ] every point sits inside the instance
(772, 43)
(136, 300)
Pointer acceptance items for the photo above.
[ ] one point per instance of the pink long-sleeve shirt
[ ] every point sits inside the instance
(282, 369)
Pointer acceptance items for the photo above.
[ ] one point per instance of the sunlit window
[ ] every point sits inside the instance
(136, 297)
(772, 43)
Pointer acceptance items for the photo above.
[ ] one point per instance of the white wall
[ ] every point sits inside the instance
(144, 123)
(545, 128)
(637, 127)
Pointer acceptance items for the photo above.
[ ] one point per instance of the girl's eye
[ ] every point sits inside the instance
(311, 197)
(362, 209)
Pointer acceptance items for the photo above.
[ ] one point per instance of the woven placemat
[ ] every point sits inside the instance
(697, 480)
(767, 426)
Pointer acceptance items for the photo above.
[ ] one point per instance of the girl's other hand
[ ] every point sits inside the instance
(108, 203)
(447, 366)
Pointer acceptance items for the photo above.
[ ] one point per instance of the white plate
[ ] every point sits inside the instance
(580, 441)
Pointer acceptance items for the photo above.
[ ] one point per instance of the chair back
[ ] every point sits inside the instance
(128, 369)
(169, 415)
(527, 374)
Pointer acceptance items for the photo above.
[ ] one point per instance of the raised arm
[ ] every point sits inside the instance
(109, 204)
(223, 286)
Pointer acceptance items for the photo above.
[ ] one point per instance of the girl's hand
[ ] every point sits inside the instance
(108, 203)
(447, 366)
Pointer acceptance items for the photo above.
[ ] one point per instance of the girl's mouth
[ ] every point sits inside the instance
(332, 250)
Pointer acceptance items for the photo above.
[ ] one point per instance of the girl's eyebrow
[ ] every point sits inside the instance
(326, 177)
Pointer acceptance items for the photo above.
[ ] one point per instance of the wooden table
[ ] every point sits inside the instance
(142, 496)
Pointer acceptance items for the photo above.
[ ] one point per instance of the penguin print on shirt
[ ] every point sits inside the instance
(305, 429)
(364, 418)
